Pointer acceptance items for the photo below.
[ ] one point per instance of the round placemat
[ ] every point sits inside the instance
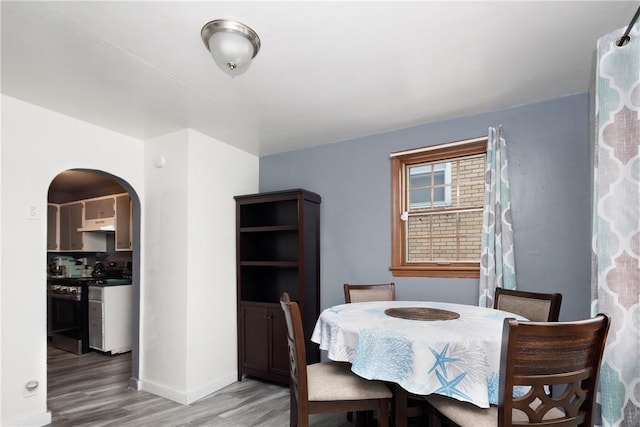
(421, 313)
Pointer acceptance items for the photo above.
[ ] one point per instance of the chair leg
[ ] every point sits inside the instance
(400, 410)
(383, 414)
(350, 416)
(293, 410)
(434, 419)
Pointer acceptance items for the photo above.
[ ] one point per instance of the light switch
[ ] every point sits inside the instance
(32, 212)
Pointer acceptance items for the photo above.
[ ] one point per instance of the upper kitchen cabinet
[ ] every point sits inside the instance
(70, 220)
(52, 227)
(72, 240)
(99, 214)
(82, 226)
(123, 223)
(99, 208)
(278, 250)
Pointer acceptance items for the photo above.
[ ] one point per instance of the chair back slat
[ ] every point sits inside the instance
(538, 355)
(537, 307)
(372, 292)
(297, 351)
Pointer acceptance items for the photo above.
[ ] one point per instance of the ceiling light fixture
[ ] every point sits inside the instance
(232, 45)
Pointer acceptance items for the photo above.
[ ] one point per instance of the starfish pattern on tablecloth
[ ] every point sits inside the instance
(441, 359)
(449, 387)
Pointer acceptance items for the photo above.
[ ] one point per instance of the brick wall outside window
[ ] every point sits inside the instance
(451, 236)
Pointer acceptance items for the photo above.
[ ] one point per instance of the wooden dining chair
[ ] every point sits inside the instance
(537, 355)
(326, 387)
(537, 307)
(362, 293)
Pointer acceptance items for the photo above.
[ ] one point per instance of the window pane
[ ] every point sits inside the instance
(471, 169)
(419, 198)
(445, 225)
(444, 250)
(472, 195)
(470, 235)
(471, 182)
(418, 239)
(419, 176)
(447, 237)
(426, 179)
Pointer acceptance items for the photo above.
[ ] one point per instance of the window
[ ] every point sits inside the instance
(437, 202)
(427, 181)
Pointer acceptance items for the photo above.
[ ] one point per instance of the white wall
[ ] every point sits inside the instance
(217, 172)
(37, 144)
(190, 300)
(187, 277)
(164, 295)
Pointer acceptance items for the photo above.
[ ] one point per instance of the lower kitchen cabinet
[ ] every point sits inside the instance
(264, 350)
(110, 318)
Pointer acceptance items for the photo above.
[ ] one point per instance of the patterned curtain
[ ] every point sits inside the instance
(615, 280)
(497, 266)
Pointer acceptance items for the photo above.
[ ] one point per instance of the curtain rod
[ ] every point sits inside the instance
(625, 37)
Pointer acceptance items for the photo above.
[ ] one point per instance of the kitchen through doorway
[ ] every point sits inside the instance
(92, 270)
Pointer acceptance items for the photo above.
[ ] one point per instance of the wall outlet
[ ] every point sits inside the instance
(31, 388)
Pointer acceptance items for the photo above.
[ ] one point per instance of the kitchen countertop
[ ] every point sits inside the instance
(60, 279)
(90, 281)
(112, 282)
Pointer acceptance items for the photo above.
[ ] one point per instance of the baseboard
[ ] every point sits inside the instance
(37, 421)
(162, 391)
(184, 398)
(220, 383)
(134, 383)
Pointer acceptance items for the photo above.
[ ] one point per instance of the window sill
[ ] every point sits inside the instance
(467, 271)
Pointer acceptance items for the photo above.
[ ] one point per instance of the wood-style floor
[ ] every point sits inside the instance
(91, 390)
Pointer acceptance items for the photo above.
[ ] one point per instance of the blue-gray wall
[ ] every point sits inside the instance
(549, 161)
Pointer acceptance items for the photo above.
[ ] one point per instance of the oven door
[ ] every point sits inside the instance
(65, 314)
(69, 323)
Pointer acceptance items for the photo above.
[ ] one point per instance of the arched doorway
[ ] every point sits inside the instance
(75, 185)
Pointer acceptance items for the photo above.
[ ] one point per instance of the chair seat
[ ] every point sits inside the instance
(329, 381)
(468, 414)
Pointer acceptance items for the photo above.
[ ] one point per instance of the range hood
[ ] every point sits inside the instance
(104, 224)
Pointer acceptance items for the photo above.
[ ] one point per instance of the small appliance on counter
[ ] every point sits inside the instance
(99, 271)
(111, 275)
(66, 266)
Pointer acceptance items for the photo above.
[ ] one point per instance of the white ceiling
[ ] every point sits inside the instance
(326, 72)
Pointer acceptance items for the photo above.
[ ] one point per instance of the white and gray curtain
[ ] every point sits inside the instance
(497, 265)
(615, 281)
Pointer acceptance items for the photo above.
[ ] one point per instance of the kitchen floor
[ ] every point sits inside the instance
(91, 390)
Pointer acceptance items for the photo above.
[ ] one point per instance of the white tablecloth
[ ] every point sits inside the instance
(458, 358)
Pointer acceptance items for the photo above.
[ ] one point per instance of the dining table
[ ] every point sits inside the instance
(421, 347)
